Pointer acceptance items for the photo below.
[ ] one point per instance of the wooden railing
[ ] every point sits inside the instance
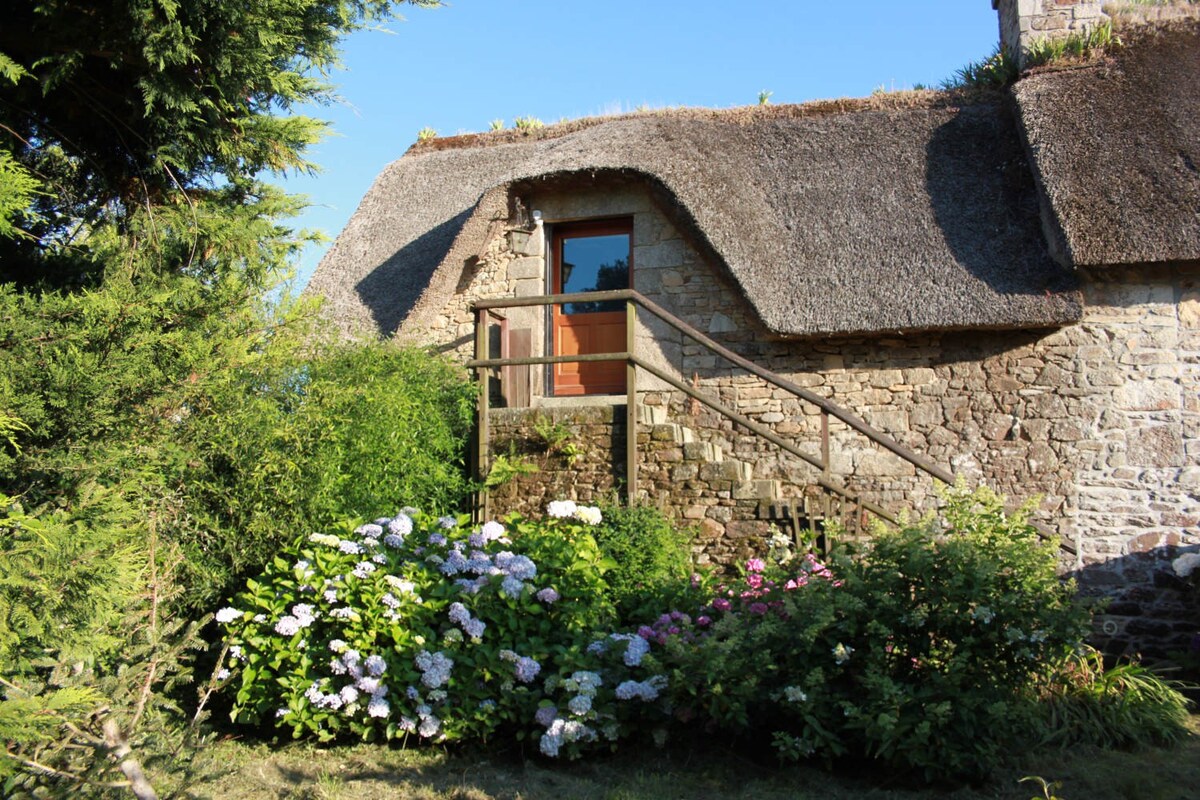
(633, 301)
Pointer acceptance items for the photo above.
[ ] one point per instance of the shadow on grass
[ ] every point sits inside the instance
(704, 772)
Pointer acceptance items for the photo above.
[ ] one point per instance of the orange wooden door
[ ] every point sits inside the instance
(590, 257)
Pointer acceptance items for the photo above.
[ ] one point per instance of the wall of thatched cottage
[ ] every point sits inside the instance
(1100, 419)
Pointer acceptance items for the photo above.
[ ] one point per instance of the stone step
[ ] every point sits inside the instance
(732, 470)
(651, 415)
(765, 490)
(670, 432)
(703, 451)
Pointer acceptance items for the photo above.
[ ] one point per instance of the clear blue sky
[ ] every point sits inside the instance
(458, 67)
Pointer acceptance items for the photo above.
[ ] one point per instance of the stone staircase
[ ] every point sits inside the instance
(705, 486)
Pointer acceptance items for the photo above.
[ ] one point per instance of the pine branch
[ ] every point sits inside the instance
(119, 748)
(58, 773)
(211, 687)
(151, 673)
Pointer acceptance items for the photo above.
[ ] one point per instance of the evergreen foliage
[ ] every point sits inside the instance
(138, 239)
(653, 560)
(301, 443)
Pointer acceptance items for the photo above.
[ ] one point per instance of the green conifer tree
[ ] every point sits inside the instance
(139, 236)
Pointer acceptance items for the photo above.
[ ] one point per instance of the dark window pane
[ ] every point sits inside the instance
(595, 264)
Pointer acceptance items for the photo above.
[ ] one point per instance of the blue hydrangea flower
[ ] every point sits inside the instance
(401, 525)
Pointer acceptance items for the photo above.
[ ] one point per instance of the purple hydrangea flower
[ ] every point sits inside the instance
(545, 715)
(378, 707)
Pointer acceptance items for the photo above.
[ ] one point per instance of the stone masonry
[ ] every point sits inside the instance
(1100, 420)
(1023, 21)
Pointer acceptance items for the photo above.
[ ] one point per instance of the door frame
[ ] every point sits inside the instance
(559, 232)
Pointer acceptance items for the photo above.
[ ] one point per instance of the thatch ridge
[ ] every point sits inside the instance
(739, 115)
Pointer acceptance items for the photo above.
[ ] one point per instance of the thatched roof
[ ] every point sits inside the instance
(1116, 149)
(832, 218)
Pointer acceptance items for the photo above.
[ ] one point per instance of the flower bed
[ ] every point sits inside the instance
(924, 652)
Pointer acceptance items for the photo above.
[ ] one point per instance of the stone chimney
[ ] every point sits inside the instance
(1023, 21)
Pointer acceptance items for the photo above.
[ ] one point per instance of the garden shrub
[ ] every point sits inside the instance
(652, 560)
(416, 625)
(917, 654)
(961, 613)
(302, 443)
(926, 652)
(1080, 701)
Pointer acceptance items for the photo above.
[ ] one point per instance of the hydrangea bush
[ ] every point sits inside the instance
(923, 652)
(414, 625)
(919, 652)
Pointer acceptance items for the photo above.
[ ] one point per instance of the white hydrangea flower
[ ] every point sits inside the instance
(371, 530)
(492, 531)
(794, 694)
(589, 515)
(401, 525)
(228, 614)
(561, 509)
(401, 585)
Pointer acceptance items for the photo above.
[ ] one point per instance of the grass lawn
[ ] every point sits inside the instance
(369, 772)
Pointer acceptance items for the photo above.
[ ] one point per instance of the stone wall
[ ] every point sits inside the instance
(1101, 420)
(689, 480)
(592, 473)
(1023, 21)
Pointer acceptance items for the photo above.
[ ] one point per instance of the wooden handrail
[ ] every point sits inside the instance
(632, 297)
(855, 422)
(767, 434)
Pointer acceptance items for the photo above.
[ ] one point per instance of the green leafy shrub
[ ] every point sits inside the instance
(961, 614)
(299, 444)
(652, 561)
(1077, 700)
(415, 625)
(918, 653)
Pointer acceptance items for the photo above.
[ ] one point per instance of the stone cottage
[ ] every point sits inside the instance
(1001, 285)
